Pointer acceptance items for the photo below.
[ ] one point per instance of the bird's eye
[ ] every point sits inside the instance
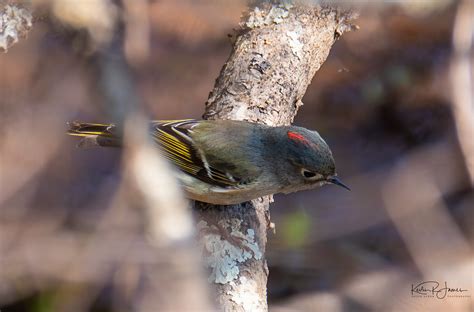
(308, 174)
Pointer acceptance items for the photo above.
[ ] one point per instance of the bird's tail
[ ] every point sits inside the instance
(95, 134)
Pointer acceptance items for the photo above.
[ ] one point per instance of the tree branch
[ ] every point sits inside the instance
(274, 58)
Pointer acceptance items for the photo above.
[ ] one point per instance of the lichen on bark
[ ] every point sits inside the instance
(15, 22)
(226, 253)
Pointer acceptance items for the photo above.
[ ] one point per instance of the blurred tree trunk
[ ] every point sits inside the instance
(276, 54)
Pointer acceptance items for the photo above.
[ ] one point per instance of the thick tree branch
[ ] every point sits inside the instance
(274, 58)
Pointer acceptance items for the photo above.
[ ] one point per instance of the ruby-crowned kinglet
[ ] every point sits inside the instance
(229, 162)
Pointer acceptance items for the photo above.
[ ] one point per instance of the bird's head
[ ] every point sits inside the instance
(307, 160)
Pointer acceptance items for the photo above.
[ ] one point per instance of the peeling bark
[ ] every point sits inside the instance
(275, 56)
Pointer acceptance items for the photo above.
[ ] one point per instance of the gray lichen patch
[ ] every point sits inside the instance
(245, 294)
(15, 22)
(224, 252)
(263, 17)
(296, 45)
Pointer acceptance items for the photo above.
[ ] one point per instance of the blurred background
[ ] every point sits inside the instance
(391, 101)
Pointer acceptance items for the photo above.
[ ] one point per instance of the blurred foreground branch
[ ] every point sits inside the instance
(462, 84)
(169, 227)
(274, 58)
(149, 183)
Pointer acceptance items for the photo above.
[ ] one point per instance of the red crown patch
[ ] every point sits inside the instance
(294, 136)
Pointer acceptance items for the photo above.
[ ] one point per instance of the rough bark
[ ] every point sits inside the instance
(274, 58)
(15, 23)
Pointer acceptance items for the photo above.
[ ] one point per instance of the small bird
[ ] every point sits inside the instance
(228, 162)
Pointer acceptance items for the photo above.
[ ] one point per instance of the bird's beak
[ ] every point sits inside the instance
(335, 180)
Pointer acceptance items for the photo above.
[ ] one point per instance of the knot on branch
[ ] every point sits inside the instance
(345, 23)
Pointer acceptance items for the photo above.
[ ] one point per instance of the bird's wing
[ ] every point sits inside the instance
(175, 139)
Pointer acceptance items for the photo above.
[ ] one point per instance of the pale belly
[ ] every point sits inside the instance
(201, 191)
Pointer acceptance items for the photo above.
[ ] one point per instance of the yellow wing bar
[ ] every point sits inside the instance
(175, 138)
